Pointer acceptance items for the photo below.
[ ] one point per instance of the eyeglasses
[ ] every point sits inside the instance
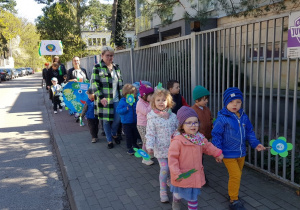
(109, 56)
(190, 124)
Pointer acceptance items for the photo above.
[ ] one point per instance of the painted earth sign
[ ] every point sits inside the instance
(74, 94)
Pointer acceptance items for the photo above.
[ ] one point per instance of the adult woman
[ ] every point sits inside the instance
(77, 73)
(107, 84)
(61, 67)
(53, 72)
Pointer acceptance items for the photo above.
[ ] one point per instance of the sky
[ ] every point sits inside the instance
(30, 10)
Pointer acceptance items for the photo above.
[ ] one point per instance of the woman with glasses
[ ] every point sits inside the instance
(107, 84)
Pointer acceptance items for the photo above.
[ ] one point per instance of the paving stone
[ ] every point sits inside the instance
(104, 202)
(125, 199)
(92, 200)
(254, 203)
(131, 192)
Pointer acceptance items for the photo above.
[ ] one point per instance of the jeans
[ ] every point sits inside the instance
(111, 129)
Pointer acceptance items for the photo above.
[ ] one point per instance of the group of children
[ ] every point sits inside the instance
(177, 135)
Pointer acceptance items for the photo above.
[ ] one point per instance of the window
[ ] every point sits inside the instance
(129, 41)
(268, 51)
(90, 42)
(104, 41)
(94, 42)
(98, 41)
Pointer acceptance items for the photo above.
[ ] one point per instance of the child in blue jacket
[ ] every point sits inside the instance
(127, 111)
(231, 130)
(88, 111)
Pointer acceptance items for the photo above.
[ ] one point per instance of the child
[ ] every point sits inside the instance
(161, 123)
(127, 112)
(232, 129)
(88, 111)
(200, 96)
(55, 89)
(173, 87)
(185, 153)
(142, 109)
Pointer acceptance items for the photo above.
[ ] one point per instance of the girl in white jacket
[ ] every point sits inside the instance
(161, 124)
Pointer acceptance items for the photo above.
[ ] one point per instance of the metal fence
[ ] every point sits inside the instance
(251, 56)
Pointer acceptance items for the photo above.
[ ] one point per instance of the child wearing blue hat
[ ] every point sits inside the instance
(231, 130)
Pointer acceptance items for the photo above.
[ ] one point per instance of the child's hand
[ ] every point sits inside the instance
(219, 158)
(150, 151)
(260, 147)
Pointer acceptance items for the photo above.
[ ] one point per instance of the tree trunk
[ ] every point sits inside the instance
(113, 20)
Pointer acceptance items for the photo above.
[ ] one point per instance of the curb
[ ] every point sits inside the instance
(57, 144)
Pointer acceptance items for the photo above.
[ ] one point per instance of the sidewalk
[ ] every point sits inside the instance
(98, 178)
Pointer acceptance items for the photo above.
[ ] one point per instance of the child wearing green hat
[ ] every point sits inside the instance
(200, 96)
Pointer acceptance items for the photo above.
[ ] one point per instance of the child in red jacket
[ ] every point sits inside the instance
(185, 154)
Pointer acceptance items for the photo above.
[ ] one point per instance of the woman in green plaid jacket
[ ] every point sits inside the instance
(107, 84)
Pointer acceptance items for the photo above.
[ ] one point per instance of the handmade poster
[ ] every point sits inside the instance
(293, 44)
(51, 47)
(130, 99)
(74, 94)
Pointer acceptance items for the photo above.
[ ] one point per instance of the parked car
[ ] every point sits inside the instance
(10, 73)
(24, 71)
(30, 70)
(19, 72)
(4, 75)
(16, 73)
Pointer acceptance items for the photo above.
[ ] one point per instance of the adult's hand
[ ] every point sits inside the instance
(104, 102)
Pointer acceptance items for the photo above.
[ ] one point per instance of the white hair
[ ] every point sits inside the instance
(107, 48)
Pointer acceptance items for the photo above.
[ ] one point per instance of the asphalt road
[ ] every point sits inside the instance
(29, 173)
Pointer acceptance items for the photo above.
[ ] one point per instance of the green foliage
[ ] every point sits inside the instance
(8, 5)
(51, 27)
(128, 13)
(98, 15)
(119, 39)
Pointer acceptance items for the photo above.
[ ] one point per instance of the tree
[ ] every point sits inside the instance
(128, 15)
(119, 38)
(51, 27)
(77, 7)
(113, 20)
(8, 5)
(98, 16)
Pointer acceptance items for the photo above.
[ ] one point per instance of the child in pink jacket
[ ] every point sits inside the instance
(185, 153)
(142, 109)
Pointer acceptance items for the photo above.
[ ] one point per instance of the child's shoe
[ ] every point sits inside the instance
(117, 139)
(94, 140)
(148, 162)
(236, 205)
(130, 151)
(60, 110)
(55, 112)
(176, 205)
(164, 197)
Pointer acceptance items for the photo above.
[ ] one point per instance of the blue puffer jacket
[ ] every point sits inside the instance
(127, 116)
(231, 133)
(90, 110)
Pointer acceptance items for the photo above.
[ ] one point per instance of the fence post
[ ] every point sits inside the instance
(132, 64)
(194, 66)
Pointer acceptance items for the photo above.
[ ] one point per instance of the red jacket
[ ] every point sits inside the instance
(183, 156)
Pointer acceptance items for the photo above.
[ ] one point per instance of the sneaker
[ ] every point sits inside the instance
(102, 133)
(110, 146)
(175, 205)
(60, 110)
(139, 141)
(236, 205)
(94, 140)
(148, 162)
(117, 140)
(164, 197)
(135, 146)
(55, 112)
(130, 151)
